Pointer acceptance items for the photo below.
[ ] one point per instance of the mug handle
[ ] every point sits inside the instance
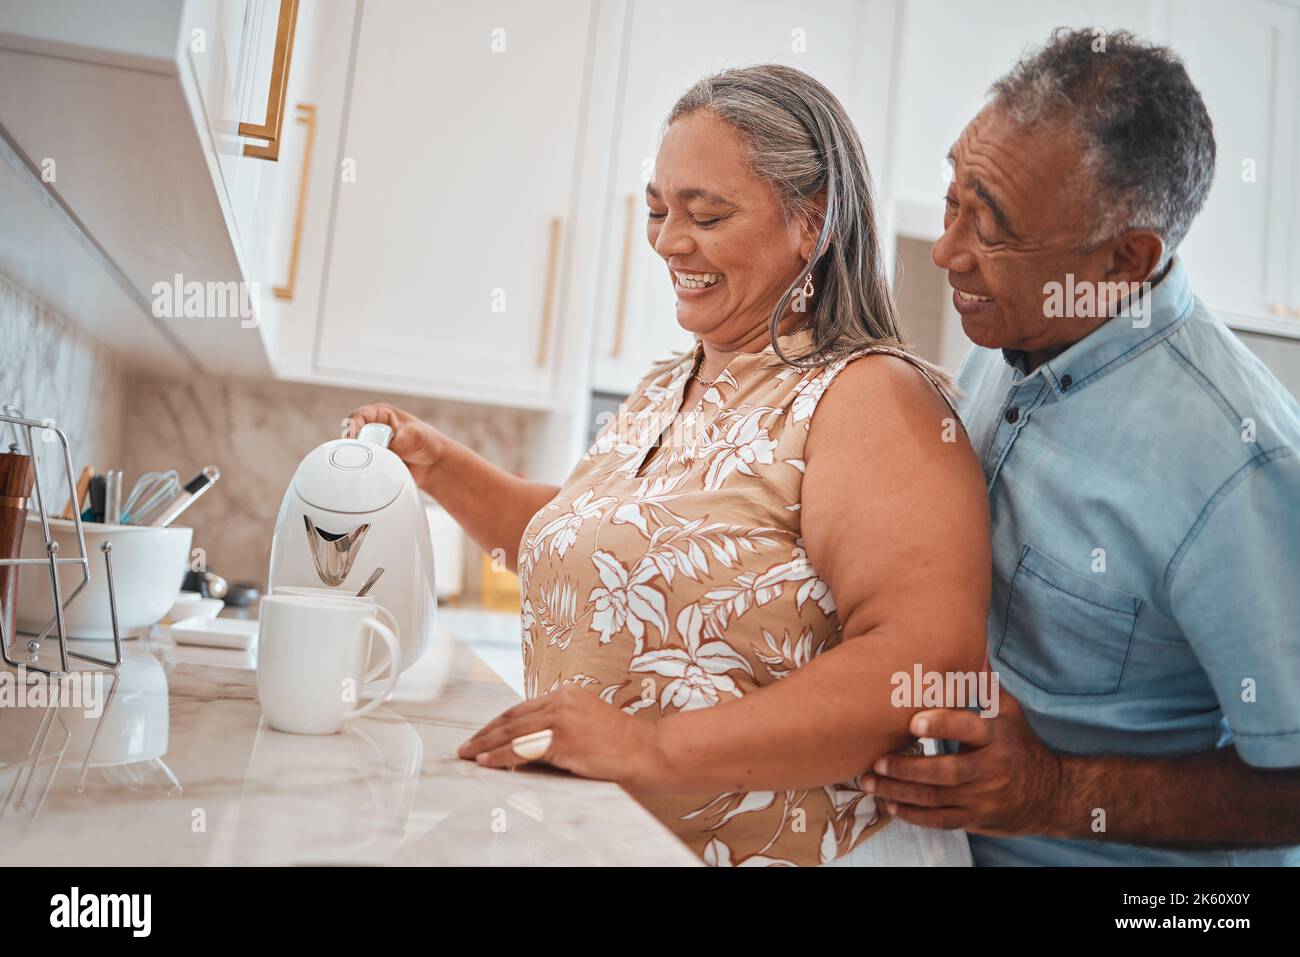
(388, 619)
(394, 659)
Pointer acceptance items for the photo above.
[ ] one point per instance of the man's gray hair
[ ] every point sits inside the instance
(1147, 139)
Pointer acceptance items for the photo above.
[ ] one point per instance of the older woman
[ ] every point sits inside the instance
(717, 599)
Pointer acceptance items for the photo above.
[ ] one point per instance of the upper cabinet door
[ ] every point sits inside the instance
(671, 44)
(950, 53)
(236, 51)
(136, 105)
(453, 205)
(295, 243)
(217, 44)
(1242, 57)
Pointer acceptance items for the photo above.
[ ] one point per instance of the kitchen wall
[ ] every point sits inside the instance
(925, 309)
(255, 431)
(1282, 356)
(50, 369)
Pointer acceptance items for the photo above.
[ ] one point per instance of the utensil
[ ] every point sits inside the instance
(150, 490)
(17, 473)
(192, 490)
(311, 660)
(113, 497)
(98, 491)
(370, 582)
(73, 508)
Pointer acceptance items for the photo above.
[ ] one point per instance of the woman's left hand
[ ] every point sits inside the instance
(588, 737)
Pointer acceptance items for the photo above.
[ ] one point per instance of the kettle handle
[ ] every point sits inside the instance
(376, 433)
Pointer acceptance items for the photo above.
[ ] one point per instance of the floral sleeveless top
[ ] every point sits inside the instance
(682, 583)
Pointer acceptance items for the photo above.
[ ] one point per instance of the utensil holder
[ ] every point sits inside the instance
(26, 428)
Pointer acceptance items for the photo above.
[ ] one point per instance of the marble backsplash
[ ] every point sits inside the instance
(51, 370)
(255, 431)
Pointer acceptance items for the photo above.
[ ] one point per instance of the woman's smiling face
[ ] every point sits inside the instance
(730, 251)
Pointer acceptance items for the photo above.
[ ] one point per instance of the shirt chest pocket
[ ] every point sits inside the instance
(1065, 633)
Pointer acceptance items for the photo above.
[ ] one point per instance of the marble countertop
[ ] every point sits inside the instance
(184, 770)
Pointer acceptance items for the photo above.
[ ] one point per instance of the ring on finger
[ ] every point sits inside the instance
(532, 747)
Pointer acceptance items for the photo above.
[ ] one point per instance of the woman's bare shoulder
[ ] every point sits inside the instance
(882, 397)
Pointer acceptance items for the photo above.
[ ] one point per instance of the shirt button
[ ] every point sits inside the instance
(1066, 382)
(1013, 415)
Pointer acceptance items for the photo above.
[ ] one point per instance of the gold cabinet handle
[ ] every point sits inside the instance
(275, 95)
(548, 300)
(1296, 312)
(306, 116)
(1279, 310)
(620, 310)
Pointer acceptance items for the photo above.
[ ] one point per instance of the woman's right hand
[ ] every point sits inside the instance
(415, 442)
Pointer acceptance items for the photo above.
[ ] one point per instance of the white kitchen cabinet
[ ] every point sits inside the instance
(230, 45)
(298, 238)
(452, 209)
(949, 54)
(134, 110)
(45, 256)
(670, 45)
(1243, 251)
(1294, 298)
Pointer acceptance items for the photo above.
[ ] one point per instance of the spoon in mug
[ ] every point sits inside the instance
(370, 582)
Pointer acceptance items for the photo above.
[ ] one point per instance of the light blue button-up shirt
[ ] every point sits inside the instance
(1144, 488)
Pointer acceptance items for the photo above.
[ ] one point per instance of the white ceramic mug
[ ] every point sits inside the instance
(374, 656)
(312, 653)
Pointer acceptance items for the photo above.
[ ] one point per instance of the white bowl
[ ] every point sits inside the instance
(148, 566)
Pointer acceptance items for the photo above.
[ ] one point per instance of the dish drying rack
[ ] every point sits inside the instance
(14, 418)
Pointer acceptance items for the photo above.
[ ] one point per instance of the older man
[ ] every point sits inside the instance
(1143, 475)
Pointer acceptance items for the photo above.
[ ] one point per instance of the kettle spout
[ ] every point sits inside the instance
(334, 552)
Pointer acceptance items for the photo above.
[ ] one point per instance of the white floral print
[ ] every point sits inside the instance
(562, 532)
(625, 600)
(673, 578)
(744, 445)
(698, 669)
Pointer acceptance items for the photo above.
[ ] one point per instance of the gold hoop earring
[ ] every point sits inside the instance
(808, 289)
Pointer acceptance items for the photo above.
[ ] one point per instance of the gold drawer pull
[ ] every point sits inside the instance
(307, 117)
(620, 310)
(548, 301)
(275, 94)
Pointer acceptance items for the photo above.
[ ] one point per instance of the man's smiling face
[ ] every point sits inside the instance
(1016, 217)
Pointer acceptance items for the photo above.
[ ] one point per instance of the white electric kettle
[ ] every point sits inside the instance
(353, 507)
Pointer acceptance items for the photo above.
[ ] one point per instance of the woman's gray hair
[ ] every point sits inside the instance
(801, 141)
(1146, 138)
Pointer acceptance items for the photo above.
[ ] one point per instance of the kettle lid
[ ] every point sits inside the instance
(345, 475)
